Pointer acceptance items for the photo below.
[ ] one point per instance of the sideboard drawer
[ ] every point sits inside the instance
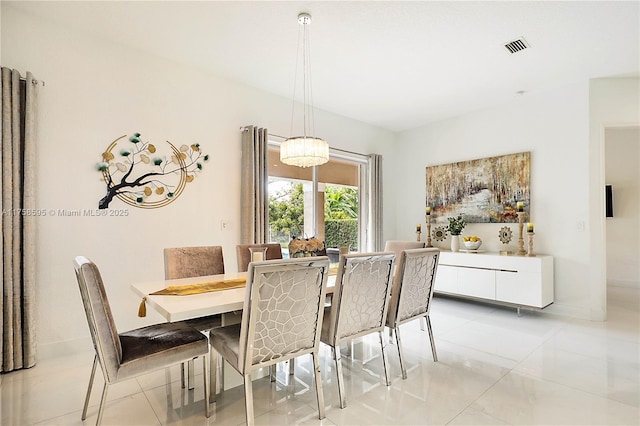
(477, 282)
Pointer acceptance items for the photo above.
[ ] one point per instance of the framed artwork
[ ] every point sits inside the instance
(486, 190)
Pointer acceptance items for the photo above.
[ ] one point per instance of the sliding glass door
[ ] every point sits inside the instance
(324, 201)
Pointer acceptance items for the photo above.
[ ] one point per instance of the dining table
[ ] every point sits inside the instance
(183, 307)
(226, 302)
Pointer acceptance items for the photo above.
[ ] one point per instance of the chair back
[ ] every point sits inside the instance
(283, 310)
(188, 262)
(398, 246)
(101, 324)
(413, 285)
(361, 297)
(243, 251)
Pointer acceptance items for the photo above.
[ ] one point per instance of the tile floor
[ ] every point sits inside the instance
(494, 368)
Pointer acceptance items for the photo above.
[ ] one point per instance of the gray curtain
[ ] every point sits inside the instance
(375, 202)
(254, 203)
(17, 154)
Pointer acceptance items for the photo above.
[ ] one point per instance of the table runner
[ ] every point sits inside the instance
(184, 290)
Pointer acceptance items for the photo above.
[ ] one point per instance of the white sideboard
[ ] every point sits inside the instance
(517, 280)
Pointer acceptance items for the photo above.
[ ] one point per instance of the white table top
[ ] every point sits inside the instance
(178, 308)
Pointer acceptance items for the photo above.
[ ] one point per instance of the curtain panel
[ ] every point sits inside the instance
(17, 239)
(254, 203)
(375, 202)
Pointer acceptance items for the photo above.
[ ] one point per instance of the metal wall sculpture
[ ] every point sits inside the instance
(141, 175)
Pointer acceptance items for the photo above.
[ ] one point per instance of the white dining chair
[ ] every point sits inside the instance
(125, 355)
(412, 293)
(281, 320)
(359, 306)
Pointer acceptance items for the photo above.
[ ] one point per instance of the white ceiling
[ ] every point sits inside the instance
(396, 65)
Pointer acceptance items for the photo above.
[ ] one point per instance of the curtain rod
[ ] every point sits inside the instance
(245, 128)
(34, 81)
(332, 148)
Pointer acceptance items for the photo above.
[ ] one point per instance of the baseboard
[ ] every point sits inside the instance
(570, 311)
(623, 283)
(64, 348)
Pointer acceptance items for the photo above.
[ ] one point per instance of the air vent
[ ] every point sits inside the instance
(517, 45)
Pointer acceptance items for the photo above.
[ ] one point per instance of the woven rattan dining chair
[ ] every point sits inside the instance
(412, 293)
(281, 320)
(140, 351)
(243, 252)
(188, 262)
(359, 305)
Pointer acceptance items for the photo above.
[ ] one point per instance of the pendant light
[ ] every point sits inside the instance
(305, 150)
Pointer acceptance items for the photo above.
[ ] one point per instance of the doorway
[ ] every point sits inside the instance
(622, 226)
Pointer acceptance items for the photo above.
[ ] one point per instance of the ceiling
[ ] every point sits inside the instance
(396, 65)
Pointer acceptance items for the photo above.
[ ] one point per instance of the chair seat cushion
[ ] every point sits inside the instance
(226, 341)
(204, 323)
(158, 346)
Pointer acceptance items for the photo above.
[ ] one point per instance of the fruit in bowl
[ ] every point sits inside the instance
(472, 242)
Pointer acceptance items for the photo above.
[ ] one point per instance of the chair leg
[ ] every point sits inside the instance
(190, 375)
(86, 399)
(338, 359)
(422, 323)
(207, 384)
(318, 380)
(272, 372)
(399, 345)
(248, 399)
(182, 375)
(292, 366)
(213, 371)
(102, 402)
(433, 342)
(385, 361)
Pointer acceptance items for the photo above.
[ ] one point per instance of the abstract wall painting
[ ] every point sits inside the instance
(484, 190)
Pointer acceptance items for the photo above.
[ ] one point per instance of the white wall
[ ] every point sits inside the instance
(564, 131)
(613, 102)
(97, 91)
(553, 126)
(622, 171)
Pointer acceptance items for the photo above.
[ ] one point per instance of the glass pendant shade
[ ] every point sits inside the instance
(304, 151)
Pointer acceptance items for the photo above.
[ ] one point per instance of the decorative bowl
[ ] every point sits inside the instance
(472, 245)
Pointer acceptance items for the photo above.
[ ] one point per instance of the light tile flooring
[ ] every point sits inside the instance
(494, 368)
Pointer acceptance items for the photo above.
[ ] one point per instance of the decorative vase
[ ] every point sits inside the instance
(455, 243)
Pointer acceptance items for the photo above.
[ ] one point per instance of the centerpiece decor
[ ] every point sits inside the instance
(456, 225)
(305, 247)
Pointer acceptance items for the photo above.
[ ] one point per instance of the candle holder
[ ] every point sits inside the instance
(418, 235)
(521, 251)
(531, 253)
(428, 231)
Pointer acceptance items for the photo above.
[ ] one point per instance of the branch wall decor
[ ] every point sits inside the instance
(141, 176)
(487, 190)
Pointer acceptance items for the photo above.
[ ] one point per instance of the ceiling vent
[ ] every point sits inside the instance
(517, 45)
